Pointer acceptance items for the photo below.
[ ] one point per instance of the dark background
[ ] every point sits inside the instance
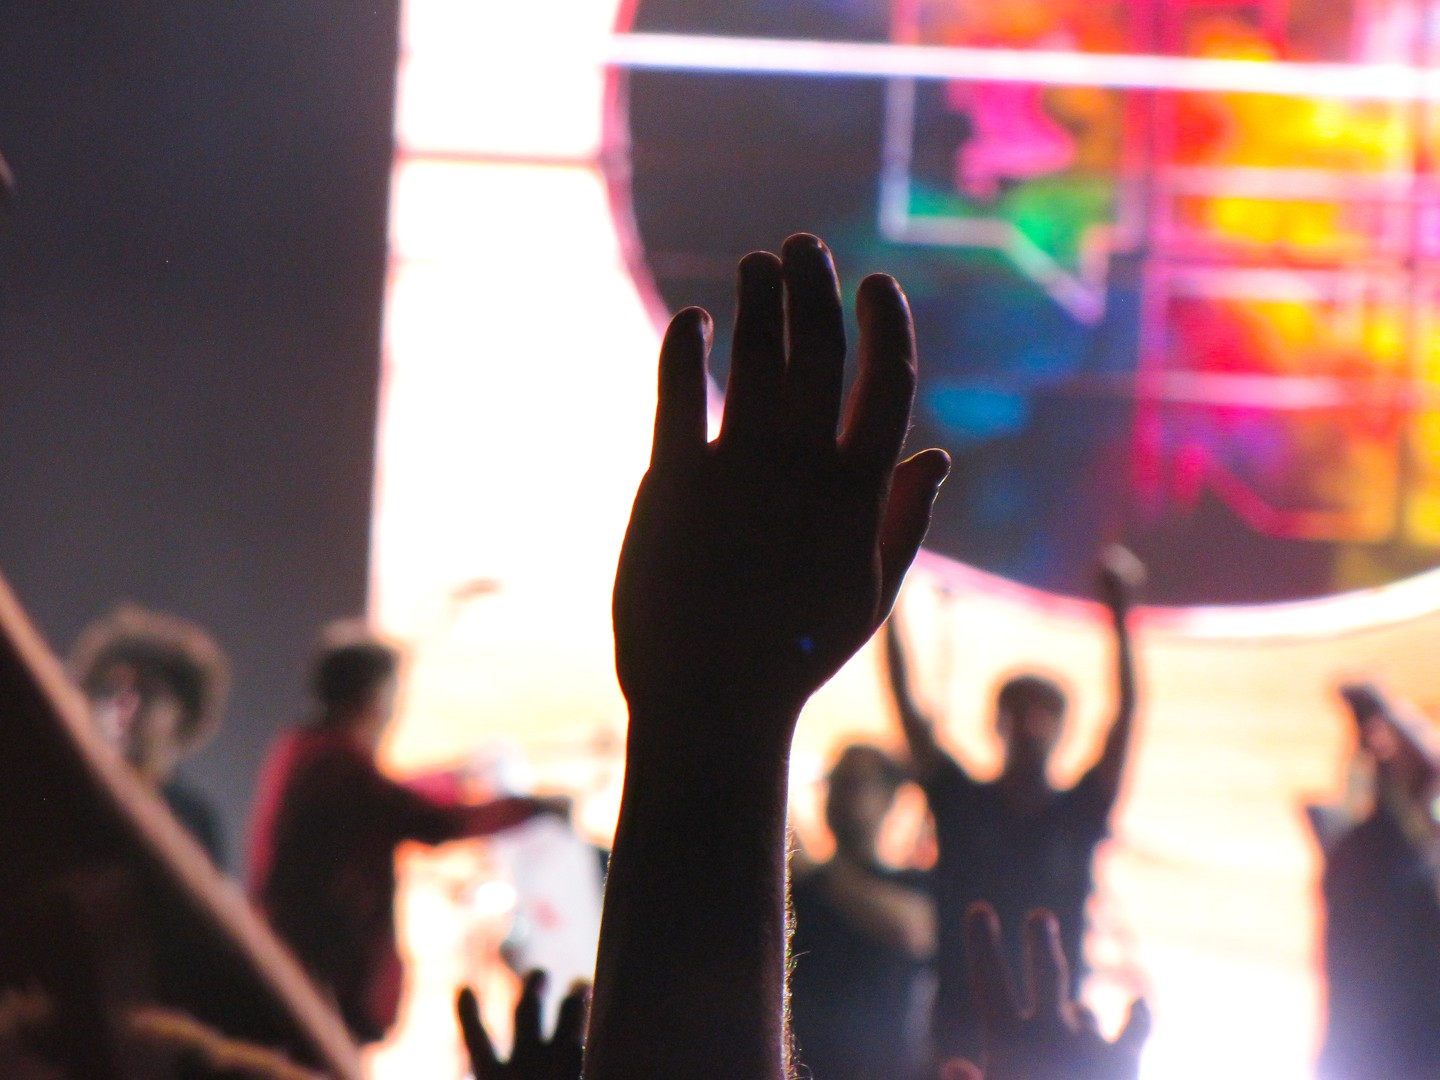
(190, 293)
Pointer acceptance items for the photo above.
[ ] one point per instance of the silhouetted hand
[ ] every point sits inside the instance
(756, 565)
(753, 568)
(532, 1058)
(1049, 1037)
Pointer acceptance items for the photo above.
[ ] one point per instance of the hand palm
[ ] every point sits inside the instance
(533, 1057)
(1053, 1038)
(756, 565)
(744, 574)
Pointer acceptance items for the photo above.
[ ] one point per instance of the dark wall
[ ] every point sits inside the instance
(190, 293)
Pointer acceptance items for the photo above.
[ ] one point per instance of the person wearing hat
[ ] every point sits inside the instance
(156, 685)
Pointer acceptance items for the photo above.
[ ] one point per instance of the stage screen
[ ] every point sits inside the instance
(1196, 321)
(1173, 267)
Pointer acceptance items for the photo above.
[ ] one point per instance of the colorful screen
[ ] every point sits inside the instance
(1155, 306)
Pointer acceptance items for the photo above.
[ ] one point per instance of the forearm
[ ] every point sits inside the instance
(446, 786)
(690, 976)
(892, 914)
(918, 728)
(483, 819)
(1121, 574)
(919, 732)
(1125, 688)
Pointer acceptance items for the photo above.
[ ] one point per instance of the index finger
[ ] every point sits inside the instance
(680, 403)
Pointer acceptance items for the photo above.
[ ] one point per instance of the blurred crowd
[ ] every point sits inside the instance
(754, 567)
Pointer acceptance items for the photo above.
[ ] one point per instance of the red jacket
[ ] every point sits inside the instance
(322, 848)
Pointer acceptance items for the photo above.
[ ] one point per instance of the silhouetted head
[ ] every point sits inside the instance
(355, 684)
(862, 790)
(156, 685)
(1029, 716)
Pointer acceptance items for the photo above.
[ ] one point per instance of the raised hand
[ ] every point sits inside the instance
(755, 566)
(1047, 1036)
(532, 1058)
(1121, 576)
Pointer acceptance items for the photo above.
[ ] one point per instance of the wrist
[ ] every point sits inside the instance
(713, 737)
(736, 784)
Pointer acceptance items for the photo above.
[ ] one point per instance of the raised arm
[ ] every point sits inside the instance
(433, 812)
(1121, 574)
(926, 756)
(753, 568)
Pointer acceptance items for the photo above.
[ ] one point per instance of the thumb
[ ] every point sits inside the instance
(913, 489)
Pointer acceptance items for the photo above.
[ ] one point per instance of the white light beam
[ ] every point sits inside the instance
(1121, 71)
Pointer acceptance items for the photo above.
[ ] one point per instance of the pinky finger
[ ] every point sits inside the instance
(913, 488)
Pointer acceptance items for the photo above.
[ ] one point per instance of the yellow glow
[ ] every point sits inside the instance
(1424, 503)
(1384, 336)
